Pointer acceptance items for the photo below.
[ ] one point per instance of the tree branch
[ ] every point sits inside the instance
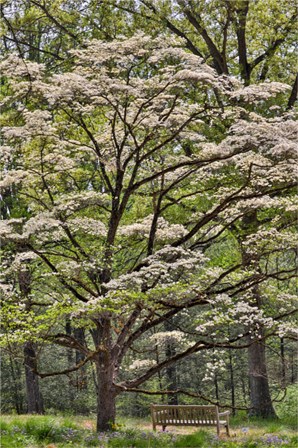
(218, 60)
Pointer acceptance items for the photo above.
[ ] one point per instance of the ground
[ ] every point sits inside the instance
(54, 431)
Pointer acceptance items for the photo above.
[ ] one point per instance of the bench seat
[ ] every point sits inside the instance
(189, 415)
(194, 422)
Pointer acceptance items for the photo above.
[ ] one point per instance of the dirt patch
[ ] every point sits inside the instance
(88, 424)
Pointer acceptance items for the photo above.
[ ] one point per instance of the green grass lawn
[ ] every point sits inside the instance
(79, 432)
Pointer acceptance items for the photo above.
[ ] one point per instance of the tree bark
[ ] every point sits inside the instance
(232, 382)
(105, 375)
(171, 371)
(261, 404)
(106, 398)
(260, 399)
(293, 96)
(70, 362)
(34, 398)
(216, 388)
(283, 363)
(17, 396)
(245, 68)
(82, 377)
(293, 369)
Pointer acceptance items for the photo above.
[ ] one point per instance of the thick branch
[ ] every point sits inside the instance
(174, 29)
(219, 62)
(293, 96)
(42, 6)
(61, 279)
(198, 346)
(245, 68)
(180, 391)
(65, 371)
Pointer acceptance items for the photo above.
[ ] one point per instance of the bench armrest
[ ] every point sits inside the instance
(221, 414)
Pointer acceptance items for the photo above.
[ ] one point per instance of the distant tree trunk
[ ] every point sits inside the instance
(17, 397)
(216, 387)
(159, 374)
(260, 399)
(82, 377)
(244, 391)
(232, 382)
(293, 95)
(171, 371)
(70, 362)
(172, 384)
(293, 368)
(283, 363)
(34, 398)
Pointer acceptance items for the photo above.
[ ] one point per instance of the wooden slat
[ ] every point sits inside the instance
(185, 415)
(188, 415)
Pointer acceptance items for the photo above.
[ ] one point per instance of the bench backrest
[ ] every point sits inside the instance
(184, 415)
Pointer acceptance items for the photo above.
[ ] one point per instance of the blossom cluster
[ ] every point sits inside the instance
(165, 231)
(239, 315)
(127, 135)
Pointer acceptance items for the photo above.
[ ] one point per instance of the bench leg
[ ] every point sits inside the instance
(228, 430)
(154, 426)
(163, 427)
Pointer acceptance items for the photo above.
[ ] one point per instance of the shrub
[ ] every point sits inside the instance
(288, 407)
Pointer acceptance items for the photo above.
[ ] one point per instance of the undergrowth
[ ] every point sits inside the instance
(61, 432)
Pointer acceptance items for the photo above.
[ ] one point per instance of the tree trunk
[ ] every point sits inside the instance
(172, 384)
(105, 373)
(261, 404)
(34, 398)
(260, 399)
(159, 375)
(216, 388)
(283, 363)
(17, 396)
(293, 369)
(171, 371)
(82, 377)
(106, 398)
(232, 383)
(243, 380)
(70, 362)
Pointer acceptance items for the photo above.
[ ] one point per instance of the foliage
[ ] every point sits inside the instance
(61, 432)
(288, 407)
(54, 214)
(39, 430)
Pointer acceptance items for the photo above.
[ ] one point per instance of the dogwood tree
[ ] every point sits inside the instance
(128, 174)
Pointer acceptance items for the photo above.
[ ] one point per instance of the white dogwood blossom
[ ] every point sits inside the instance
(162, 337)
(141, 188)
(165, 231)
(260, 92)
(142, 364)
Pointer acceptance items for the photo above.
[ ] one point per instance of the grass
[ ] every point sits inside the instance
(79, 432)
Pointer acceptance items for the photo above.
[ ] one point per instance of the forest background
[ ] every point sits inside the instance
(148, 205)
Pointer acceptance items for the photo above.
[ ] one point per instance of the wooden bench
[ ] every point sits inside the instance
(187, 415)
